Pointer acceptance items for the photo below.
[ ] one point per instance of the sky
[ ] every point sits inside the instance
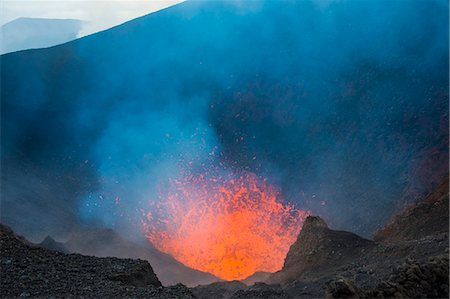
(99, 15)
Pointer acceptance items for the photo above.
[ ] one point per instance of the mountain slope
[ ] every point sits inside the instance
(427, 217)
(30, 271)
(32, 33)
(343, 106)
(319, 251)
(410, 260)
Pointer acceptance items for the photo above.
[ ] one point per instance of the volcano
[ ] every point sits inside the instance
(333, 264)
(231, 228)
(214, 128)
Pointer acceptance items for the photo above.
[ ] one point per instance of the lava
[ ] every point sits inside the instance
(231, 227)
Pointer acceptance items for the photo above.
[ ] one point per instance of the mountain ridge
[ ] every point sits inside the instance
(34, 33)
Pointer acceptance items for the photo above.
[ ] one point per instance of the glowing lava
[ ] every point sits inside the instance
(229, 227)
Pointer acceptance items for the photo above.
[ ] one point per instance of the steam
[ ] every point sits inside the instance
(336, 103)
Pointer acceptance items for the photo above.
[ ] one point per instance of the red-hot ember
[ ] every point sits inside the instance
(229, 227)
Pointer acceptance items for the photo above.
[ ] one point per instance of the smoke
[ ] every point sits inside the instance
(338, 103)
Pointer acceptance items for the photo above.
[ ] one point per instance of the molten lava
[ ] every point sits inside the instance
(231, 227)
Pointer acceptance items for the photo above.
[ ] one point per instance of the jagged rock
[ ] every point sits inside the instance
(319, 250)
(30, 271)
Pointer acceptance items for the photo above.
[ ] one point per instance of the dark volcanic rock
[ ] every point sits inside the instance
(32, 271)
(222, 289)
(341, 288)
(261, 290)
(139, 276)
(416, 280)
(413, 279)
(412, 260)
(236, 289)
(107, 242)
(320, 250)
(177, 291)
(420, 220)
(256, 277)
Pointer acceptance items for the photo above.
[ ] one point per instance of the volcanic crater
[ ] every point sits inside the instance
(409, 259)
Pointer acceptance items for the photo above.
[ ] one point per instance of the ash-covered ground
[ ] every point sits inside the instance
(407, 259)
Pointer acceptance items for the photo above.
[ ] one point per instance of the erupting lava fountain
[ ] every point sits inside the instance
(231, 227)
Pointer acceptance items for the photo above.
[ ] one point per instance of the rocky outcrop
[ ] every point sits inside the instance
(409, 259)
(28, 270)
(318, 251)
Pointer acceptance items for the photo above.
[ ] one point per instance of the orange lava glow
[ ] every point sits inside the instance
(229, 227)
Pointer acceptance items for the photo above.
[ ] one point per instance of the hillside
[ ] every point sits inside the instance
(33, 33)
(348, 265)
(29, 271)
(319, 251)
(426, 217)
